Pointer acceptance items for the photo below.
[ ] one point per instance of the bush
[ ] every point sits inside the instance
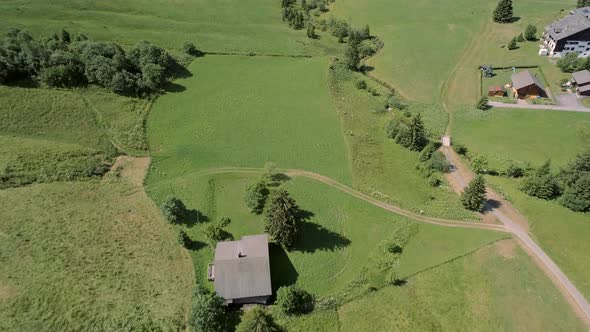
(514, 171)
(207, 312)
(216, 232)
(428, 150)
(293, 300)
(438, 162)
(542, 184)
(569, 63)
(530, 33)
(255, 197)
(183, 239)
(173, 209)
(408, 132)
(434, 181)
(482, 104)
(576, 197)
(512, 44)
(360, 84)
(460, 149)
(189, 48)
(395, 103)
(373, 91)
(520, 38)
(257, 320)
(479, 164)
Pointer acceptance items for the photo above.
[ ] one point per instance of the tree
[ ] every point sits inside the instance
(530, 33)
(173, 209)
(583, 3)
(183, 238)
(520, 38)
(255, 197)
(569, 63)
(311, 31)
(65, 37)
(503, 12)
(576, 196)
(542, 183)
(474, 195)
(482, 104)
(294, 300)
(282, 218)
(417, 133)
(190, 49)
(352, 56)
(360, 84)
(257, 319)
(479, 164)
(512, 45)
(216, 232)
(366, 32)
(207, 312)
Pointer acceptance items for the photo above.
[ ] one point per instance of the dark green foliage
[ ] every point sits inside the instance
(434, 181)
(512, 44)
(428, 150)
(257, 320)
(360, 84)
(395, 102)
(294, 300)
(339, 29)
(474, 195)
(21, 57)
(352, 56)
(570, 63)
(460, 149)
(65, 37)
(438, 162)
(311, 31)
(479, 164)
(207, 312)
(173, 209)
(576, 180)
(190, 49)
(482, 103)
(583, 3)
(183, 239)
(530, 33)
(255, 197)
(541, 184)
(295, 17)
(488, 70)
(514, 171)
(503, 12)
(216, 232)
(366, 32)
(520, 38)
(282, 218)
(408, 132)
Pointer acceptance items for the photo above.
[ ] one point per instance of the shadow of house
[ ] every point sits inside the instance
(282, 271)
(317, 237)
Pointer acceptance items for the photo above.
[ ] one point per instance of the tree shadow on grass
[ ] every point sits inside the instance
(282, 271)
(190, 217)
(174, 87)
(196, 245)
(316, 237)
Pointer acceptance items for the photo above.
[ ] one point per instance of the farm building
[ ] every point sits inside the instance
(569, 34)
(496, 91)
(241, 270)
(527, 85)
(581, 79)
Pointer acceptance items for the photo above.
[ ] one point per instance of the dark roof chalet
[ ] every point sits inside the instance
(581, 77)
(242, 268)
(524, 79)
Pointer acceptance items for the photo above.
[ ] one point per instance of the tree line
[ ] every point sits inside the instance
(63, 60)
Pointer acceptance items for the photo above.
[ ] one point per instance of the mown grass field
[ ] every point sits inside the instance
(246, 111)
(560, 231)
(90, 256)
(522, 135)
(238, 26)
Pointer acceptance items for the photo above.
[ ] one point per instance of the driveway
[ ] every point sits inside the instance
(541, 107)
(568, 99)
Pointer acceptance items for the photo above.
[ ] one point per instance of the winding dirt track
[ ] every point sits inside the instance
(362, 196)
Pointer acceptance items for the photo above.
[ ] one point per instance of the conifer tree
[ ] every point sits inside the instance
(474, 195)
(512, 45)
(311, 31)
(503, 12)
(530, 33)
(418, 138)
(282, 218)
(257, 320)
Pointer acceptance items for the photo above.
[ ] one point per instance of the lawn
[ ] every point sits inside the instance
(561, 232)
(213, 25)
(246, 111)
(522, 135)
(95, 255)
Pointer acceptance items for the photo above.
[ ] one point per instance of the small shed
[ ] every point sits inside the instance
(581, 78)
(496, 91)
(584, 90)
(527, 85)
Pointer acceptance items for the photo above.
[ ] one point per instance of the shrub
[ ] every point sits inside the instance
(255, 197)
(474, 195)
(512, 44)
(215, 232)
(479, 164)
(576, 196)
(408, 132)
(438, 162)
(541, 184)
(428, 150)
(293, 300)
(183, 239)
(173, 209)
(569, 63)
(434, 181)
(189, 48)
(207, 312)
(396, 103)
(460, 149)
(257, 320)
(482, 104)
(514, 171)
(360, 84)
(530, 33)
(520, 38)
(373, 91)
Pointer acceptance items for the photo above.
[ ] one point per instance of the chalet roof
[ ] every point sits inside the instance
(568, 25)
(584, 88)
(495, 88)
(524, 79)
(242, 268)
(581, 77)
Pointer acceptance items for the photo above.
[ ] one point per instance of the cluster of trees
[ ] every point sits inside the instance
(530, 34)
(583, 3)
(504, 12)
(66, 61)
(570, 186)
(431, 162)
(408, 131)
(216, 232)
(571, 63)
(297, 14)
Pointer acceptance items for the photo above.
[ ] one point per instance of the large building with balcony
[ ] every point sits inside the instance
(569, 34)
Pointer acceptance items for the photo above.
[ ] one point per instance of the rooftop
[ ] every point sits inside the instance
(581, 77)
(524, 79)
(242, 268)
(569, 25)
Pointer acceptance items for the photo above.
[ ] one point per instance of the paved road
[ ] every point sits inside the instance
(510, 217)
(541, 107)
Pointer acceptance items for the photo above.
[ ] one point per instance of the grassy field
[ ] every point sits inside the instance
(497, 288)
(89, 256)
(246, 111)
(561, 232)
(522, 135)
(213, 25)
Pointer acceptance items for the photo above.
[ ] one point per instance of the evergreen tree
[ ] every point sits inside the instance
(530, 33)
(512, 45)
(256, 195)
(503, 12)
(257, 320)
(474, 195)
(482, 104)
(542, 184)
(417, 133)
(366, 32)
(173, 209)
(311, 31)
(65, 37)
(282, 218)
(352, 57)
(520, 38)
(576, 196)
(207, 313)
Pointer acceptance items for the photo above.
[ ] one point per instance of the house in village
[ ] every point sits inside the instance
(241, 270)
(581, 81)
(527, 85)
(569, 34)
(496, 91)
